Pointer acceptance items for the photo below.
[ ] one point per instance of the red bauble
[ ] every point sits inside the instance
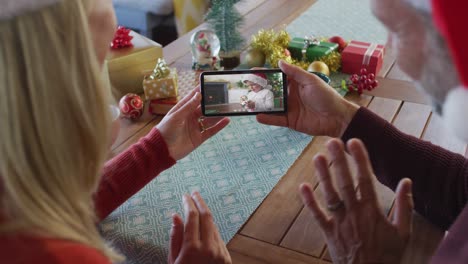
(131, 106)
(340, 41)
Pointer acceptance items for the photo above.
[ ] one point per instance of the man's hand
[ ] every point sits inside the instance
(314, 107)
(355, 229)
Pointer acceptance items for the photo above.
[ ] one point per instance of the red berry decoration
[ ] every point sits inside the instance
(362, 82)
(122, 38)
(131, 106)
(340, 41)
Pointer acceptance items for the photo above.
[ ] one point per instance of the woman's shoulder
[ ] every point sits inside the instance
(27, 249)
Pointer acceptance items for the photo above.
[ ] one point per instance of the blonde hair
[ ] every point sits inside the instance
(55, 124)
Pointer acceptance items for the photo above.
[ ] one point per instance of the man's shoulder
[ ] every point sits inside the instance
(27, 249)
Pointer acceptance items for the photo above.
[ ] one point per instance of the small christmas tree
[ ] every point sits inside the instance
(276, 82)
(226, 21)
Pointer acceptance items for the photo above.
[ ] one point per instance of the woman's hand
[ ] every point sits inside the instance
(197, 240)
(182, 130)
(314, 107)
(356, 230)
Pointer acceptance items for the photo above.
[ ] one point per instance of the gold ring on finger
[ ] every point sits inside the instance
(335, 206)
(200, 123)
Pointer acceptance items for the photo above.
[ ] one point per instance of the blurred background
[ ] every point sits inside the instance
(161, 20)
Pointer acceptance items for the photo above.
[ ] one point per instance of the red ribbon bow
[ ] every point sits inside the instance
(122, 38)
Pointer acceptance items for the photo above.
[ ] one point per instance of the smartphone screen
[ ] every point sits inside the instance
(246, 92)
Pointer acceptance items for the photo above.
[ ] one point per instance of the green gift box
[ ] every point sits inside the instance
(311, 49)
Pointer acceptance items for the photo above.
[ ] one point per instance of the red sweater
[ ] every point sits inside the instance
(123, 176)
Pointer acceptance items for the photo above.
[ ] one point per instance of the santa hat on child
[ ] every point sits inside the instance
(450, 16)
(13, 8)
(258, 78)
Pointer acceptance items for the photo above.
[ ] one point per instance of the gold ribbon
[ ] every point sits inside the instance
(160, 71)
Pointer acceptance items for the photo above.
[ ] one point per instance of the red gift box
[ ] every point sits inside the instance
(358, 55)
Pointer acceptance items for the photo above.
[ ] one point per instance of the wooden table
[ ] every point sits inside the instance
(281, 230)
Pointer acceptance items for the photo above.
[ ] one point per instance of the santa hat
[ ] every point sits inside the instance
(449, 17)
(258, 78)
(13, 8)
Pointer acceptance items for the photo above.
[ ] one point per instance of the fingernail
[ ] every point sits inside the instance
(333, 145)
(316, 157)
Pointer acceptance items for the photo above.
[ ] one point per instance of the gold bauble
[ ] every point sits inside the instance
(254, 58)
(319, 66)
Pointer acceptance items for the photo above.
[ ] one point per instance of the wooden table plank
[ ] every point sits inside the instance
(238, 258)
(385, 108)
(423, 242)
(412, 118)
(398, 90)
(388, 62)
(437, 133)
(274, 216)
(305, 235)
(135, 137)
(129, 128)
(397, 74)
(262, 252)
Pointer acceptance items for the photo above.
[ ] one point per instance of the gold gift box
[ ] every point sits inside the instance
(161, 88)
(128, 66)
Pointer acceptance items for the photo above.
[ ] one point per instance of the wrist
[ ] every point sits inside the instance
(349, 111)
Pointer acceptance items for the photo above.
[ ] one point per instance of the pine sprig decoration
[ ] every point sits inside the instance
(276, 82)
(225, 20)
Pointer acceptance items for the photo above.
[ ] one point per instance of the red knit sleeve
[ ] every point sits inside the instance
(127, 173)
(439, 176)
(73, 254)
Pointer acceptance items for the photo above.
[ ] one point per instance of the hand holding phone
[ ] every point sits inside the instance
(246, 92)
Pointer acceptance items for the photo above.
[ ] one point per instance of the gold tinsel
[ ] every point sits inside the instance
(274, 44)
(332, 60)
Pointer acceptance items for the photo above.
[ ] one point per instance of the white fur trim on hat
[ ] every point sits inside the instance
(13, 8)
(256, 79)
(455, 108)
(424, 5)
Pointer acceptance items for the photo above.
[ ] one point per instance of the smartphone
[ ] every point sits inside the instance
(243, 92)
